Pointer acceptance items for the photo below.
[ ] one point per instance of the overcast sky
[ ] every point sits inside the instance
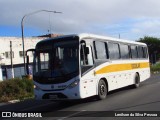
(131, 19)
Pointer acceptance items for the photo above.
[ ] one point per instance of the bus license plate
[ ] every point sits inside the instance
(53, 96)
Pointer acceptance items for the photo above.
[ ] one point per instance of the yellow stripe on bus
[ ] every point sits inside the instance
(122, 67)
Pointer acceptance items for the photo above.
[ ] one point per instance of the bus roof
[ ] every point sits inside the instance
(87, 36)
(93, 36)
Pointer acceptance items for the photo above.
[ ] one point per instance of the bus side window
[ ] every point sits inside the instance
(134, 51)
(114, 53)
(140, 52)
(89, 56)
(101, 51)
(145, 53)
(124, 51)
(86, 58)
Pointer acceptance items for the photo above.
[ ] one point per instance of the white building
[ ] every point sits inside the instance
(17, 49)
(17, 55)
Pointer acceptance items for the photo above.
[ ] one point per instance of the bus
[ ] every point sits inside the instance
(79, 66)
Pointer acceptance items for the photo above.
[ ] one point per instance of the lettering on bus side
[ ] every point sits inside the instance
(135, 65)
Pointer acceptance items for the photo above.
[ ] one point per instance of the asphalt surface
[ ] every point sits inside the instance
(145, 99)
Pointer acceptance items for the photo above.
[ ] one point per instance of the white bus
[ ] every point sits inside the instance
(84, 65)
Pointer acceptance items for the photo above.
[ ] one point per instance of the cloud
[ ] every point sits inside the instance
(150, 27)
(103, 16)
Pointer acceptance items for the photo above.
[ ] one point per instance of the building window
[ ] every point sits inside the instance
(8, 55)
(44, 57)
(21, 53)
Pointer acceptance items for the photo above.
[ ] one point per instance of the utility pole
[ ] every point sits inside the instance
(11, 56)
(119, 36)
(22, 30)
(155, 57)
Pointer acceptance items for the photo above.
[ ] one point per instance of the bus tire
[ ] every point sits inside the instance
(136, 81)
(102, 90)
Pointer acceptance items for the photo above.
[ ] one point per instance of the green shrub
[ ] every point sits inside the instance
(16, 89)
(155, 68)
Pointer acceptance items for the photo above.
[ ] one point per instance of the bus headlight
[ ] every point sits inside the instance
(74, 84)
(36, 87)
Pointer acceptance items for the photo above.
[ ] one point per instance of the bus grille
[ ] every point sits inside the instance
(56, 96)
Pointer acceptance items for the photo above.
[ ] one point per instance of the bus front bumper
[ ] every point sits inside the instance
(67, 94)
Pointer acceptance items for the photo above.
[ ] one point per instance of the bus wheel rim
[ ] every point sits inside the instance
(102, 89)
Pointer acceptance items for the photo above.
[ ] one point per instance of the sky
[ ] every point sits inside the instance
(131, 19)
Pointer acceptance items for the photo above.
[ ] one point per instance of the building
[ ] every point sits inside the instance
(17, 50)
(6, 69)
(17, 55)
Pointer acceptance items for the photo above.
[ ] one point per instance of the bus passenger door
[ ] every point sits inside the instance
(87, 70)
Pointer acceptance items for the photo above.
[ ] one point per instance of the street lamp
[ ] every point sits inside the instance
(22, 29)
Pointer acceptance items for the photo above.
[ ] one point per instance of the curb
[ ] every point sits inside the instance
(9, 102)
(13, 101)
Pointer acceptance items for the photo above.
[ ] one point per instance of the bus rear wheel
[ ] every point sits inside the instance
(102, 90)
(137, 81)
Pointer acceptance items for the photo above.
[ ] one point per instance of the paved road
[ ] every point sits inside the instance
(145, 98)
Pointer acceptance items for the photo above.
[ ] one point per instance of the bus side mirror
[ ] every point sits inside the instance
(27, 65)
(86, 50)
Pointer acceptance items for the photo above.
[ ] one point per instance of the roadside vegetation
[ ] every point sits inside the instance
(153, 44)
(155, 68)
(16, 89)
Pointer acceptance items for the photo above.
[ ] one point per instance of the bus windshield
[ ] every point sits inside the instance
(56, 59)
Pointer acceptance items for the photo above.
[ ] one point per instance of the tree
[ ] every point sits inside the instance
(153, 44)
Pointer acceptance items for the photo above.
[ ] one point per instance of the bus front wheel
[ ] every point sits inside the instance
(102, 90)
